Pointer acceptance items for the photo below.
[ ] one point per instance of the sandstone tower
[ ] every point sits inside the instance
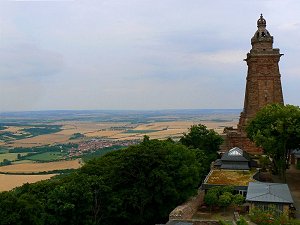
(263, 85)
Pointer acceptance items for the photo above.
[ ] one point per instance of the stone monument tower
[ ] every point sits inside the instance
(263, 85)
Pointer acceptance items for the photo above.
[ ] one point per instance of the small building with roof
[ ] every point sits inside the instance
(234, 159)
(238, 179)
(233, 169)
(269, 195)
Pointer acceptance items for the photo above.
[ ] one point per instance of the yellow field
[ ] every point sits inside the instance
(104, 133)
(89, 129)
(40, 167)
(115, 131)
(174, 129)
(184, 125)
(164, 125)
(13, 129)
(41, 140)
(8, 182)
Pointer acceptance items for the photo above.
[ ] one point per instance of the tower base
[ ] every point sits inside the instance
(235, 138)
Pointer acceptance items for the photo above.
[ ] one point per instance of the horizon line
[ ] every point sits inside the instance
(171, 109)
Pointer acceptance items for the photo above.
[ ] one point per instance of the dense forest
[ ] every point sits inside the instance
(137, 185)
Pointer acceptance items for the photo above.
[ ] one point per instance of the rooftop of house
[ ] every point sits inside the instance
(236, 154)
(268, 192)
(230, 177)
(234, 159)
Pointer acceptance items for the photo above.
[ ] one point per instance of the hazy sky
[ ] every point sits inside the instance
(138, 54)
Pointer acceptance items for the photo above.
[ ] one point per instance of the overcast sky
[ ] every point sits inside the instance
(138, 54)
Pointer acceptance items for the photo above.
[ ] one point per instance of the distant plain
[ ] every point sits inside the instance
(46, 128)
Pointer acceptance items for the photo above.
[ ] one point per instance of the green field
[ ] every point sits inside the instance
(3, 150)
(34, 130)
(46, 156)
(10, 156)
(21, 161)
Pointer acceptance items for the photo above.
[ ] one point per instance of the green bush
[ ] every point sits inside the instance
(271, 217)
(242, 221)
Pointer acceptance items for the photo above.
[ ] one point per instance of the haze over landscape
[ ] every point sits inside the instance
(134, 54)
(146, 112)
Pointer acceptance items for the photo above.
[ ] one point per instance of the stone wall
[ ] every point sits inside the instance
(189, 208)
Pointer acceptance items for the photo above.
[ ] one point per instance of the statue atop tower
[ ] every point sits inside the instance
(263, 84)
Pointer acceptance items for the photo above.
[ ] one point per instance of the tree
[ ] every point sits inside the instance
(204, 160)
(5, 162)
(225, 200)
(20, 210)
(147, 180)
(219, 195)
(137, 185)
(229, 189)
(202, 138)
(211, 199)
(238, 200)
(276, 128)
(264, 162)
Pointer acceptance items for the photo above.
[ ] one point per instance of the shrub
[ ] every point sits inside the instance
(271, 216)
(242, 221)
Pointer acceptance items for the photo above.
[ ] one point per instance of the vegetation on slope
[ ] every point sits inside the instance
(137, 185)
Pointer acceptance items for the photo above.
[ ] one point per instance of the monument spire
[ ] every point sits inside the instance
(261, 22)
(263, 83)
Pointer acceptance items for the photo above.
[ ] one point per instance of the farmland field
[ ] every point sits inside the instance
(22, 161)
(46, 156)
(40, 167)
(158, 130)
(8, 182)
(103, 133)
(10, 156)
(56, 128)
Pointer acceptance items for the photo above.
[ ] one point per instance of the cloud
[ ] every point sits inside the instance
(24, 60)
(221, 57)
(289, 26)
(136, 54)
